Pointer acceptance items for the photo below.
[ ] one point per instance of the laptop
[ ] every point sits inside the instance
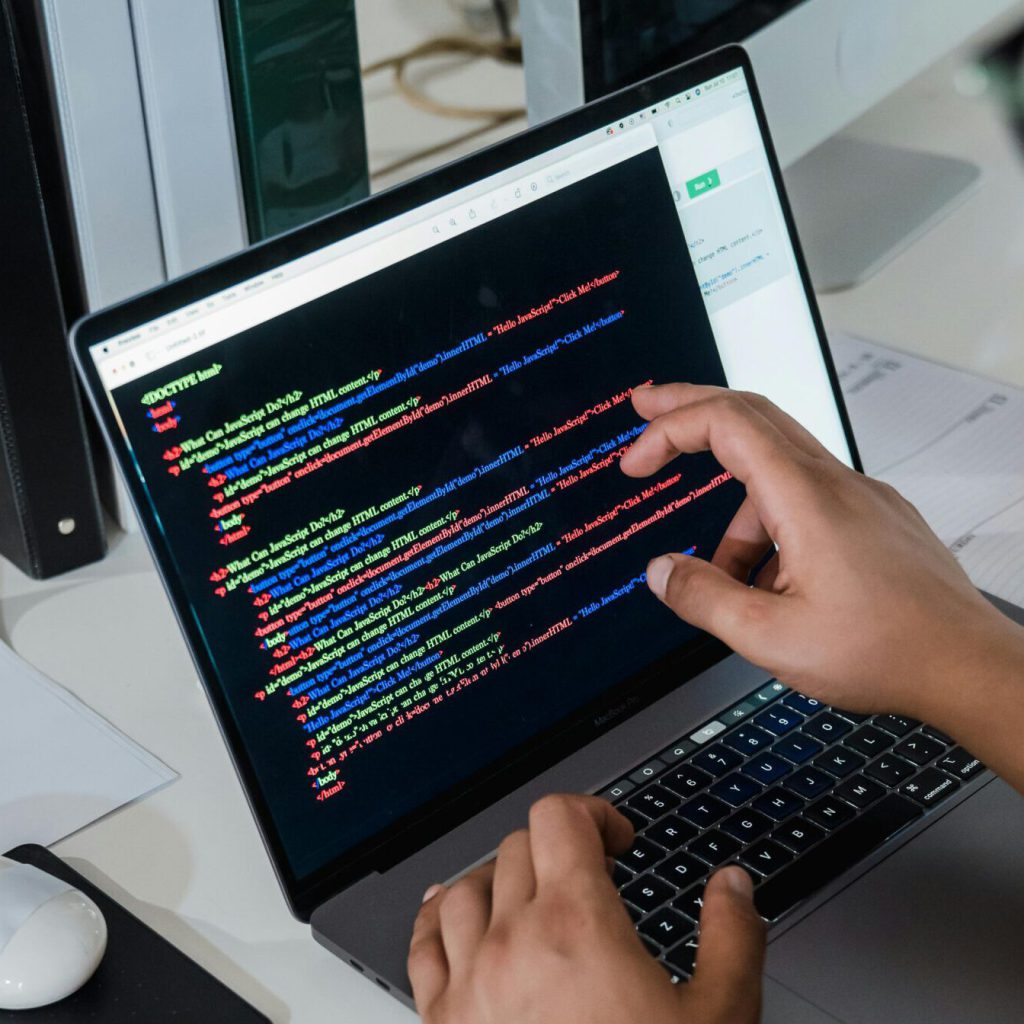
(376, 461)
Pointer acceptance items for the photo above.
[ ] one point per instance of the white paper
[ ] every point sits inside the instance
(62, 766)
(953, 444)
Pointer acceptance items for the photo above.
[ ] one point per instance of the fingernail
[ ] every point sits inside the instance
(432, 892)
(738, 881)
(658, 573)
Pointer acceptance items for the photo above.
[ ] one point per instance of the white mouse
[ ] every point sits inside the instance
(52, 937)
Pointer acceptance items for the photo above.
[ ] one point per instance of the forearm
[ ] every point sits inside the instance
(979, 700)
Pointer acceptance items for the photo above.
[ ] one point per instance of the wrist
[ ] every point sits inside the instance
(979, 678)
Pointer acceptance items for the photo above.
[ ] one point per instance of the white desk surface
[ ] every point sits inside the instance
(188, 860)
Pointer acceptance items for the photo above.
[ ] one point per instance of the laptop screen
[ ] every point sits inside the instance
(385, 473)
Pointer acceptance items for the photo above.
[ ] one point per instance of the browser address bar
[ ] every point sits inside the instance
(268, 300)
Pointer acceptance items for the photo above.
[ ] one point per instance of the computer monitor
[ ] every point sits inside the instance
(821, 64)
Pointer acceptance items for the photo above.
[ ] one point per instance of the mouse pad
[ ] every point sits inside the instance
(142, 977)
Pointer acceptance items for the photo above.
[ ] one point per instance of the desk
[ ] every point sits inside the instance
(188, 860)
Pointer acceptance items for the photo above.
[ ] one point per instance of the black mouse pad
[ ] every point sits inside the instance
(142, 977)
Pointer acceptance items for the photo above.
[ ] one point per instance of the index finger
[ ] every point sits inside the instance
(750, 447)
(658, 399)
(570, 837)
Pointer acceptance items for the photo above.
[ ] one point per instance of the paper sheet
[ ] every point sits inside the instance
(953, 444)
(62, 766)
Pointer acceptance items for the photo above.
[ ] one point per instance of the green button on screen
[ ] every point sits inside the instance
(705, 183)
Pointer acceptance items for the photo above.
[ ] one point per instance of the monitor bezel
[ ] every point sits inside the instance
(450, 809)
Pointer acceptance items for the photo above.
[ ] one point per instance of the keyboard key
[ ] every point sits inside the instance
(620, 875)
(838, 853)
(691, 903)
(738, 713)
(654, 801)
(829, 813)
(808, 783)
(919, 748)
(827, 727)
(735, 789)
(869, 741)
(671, 832)
(860, 791)
(652, 947)
(710, 731)
(647, 772)
(766, 857)
(896, 724)
(704, 811)
(717, 759)
(635, 818)
(930, 787)
(889, 769)
(960, 764)
(648, 893)
(797, 748)
(681, 869)
(766, 768)
(798, 835)
(685, 780)
(683, 957)
(768, 693)
(677, 752)
(779, 720)
(839, 762)
(937, 734)
(715, 847)
(805, 705)
(778, 804)
(748, 739)
(665, 927)
(621, 788)
(636, 915)
(642, 855)
(746, 825)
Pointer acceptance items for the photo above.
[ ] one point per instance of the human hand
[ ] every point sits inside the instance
(862, 606)
(539, 935)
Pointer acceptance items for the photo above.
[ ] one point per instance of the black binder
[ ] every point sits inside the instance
(50, 519)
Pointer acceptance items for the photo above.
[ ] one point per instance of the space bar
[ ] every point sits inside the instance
(840, 852)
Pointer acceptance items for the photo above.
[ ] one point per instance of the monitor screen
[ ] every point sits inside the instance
(624, 42)
(385, 473)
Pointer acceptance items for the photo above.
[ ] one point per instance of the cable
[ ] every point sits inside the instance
(508, 51)
(504, 52)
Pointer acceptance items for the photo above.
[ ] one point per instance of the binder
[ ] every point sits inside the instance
(50, 519)
(298, 102)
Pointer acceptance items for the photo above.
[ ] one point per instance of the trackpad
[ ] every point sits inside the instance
(932, 935)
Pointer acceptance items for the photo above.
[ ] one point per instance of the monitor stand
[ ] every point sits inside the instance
(859, 204)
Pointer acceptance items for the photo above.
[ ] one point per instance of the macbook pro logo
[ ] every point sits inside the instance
(615, 712)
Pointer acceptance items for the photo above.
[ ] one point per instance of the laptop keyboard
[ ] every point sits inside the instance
(792, 790)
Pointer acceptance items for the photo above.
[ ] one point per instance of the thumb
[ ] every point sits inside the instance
(710, 599)
(730, 957)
